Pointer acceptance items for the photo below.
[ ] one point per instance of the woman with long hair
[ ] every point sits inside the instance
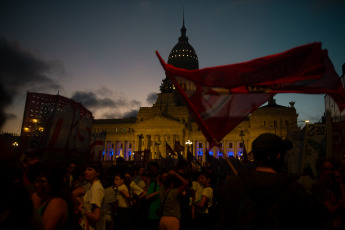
(52, 198)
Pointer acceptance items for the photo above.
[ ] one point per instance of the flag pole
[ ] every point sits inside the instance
(227, 159)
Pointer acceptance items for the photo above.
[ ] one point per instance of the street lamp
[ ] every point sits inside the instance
(188, 143)
(242, 135)
(305, 122)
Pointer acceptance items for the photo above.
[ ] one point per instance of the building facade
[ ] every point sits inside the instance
(331, 107)
(168, 121)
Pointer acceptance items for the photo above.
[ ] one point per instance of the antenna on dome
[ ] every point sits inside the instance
(183, 15)
(183, 29)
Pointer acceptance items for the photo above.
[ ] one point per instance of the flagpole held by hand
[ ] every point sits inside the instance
(228, 160)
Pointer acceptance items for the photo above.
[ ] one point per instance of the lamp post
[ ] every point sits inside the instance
(305, 122)
(188, 144)
(242, 135)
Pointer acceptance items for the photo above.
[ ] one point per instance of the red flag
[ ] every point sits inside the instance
(221, 97)
(178, 147)
(169, 150)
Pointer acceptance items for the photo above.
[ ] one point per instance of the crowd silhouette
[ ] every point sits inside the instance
(37, 194)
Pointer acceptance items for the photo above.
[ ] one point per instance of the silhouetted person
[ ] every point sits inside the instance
(329, 195)
(265, 199)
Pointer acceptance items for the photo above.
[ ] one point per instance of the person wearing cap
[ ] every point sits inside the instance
(92, 212)
(265, 198)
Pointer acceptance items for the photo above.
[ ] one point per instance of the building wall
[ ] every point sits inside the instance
(331, 107)
(166, 123)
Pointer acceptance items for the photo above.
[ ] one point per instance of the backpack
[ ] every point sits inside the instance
(261, 205)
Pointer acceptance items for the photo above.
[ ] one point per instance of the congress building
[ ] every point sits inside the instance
(168, 122)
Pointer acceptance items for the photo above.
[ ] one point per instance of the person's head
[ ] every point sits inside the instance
(129, 174)
(50, 180)
(325, 168)
(309, 172)
(72, 165)
(153, 168)
(120, 160)
(146, 176)
(93, 171)
(119, 179)
(140, 171)
(205, 178)
(269, 150)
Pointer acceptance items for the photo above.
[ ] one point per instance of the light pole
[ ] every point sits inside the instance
(305, 122)
(188, 144)
(242, 135)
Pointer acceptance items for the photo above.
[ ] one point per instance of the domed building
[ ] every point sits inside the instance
(168, 122)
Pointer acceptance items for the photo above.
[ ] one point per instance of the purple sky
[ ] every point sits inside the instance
(103, 54)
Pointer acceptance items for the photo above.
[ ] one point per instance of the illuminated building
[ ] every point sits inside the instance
(168, 121)
(332, 107)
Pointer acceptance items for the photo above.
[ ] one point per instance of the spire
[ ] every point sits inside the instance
(183, 37)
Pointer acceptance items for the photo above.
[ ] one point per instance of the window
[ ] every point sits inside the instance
(241, 145)
(230, 145)
(200, 145)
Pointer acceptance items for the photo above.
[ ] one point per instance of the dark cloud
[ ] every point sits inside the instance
(109, 105)
(90, 100)
(135, 103)
(151, 98)
(22, 71)
(129, 114)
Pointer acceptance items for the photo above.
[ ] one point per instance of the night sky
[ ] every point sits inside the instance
(102, 54)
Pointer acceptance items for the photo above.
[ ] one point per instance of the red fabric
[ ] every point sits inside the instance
(221, 97)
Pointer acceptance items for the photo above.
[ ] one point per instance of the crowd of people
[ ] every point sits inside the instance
(70, 195)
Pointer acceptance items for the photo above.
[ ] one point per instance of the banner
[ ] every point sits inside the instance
(314, 145)
(221, 97)
(55, 126)
(97, 146)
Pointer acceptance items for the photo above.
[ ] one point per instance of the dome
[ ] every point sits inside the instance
(183, 54)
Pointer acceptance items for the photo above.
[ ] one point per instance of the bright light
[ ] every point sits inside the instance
(41, 129)
(189, 142)
(26, 129)
(34, 120)
(15, 144)
(306, 121)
